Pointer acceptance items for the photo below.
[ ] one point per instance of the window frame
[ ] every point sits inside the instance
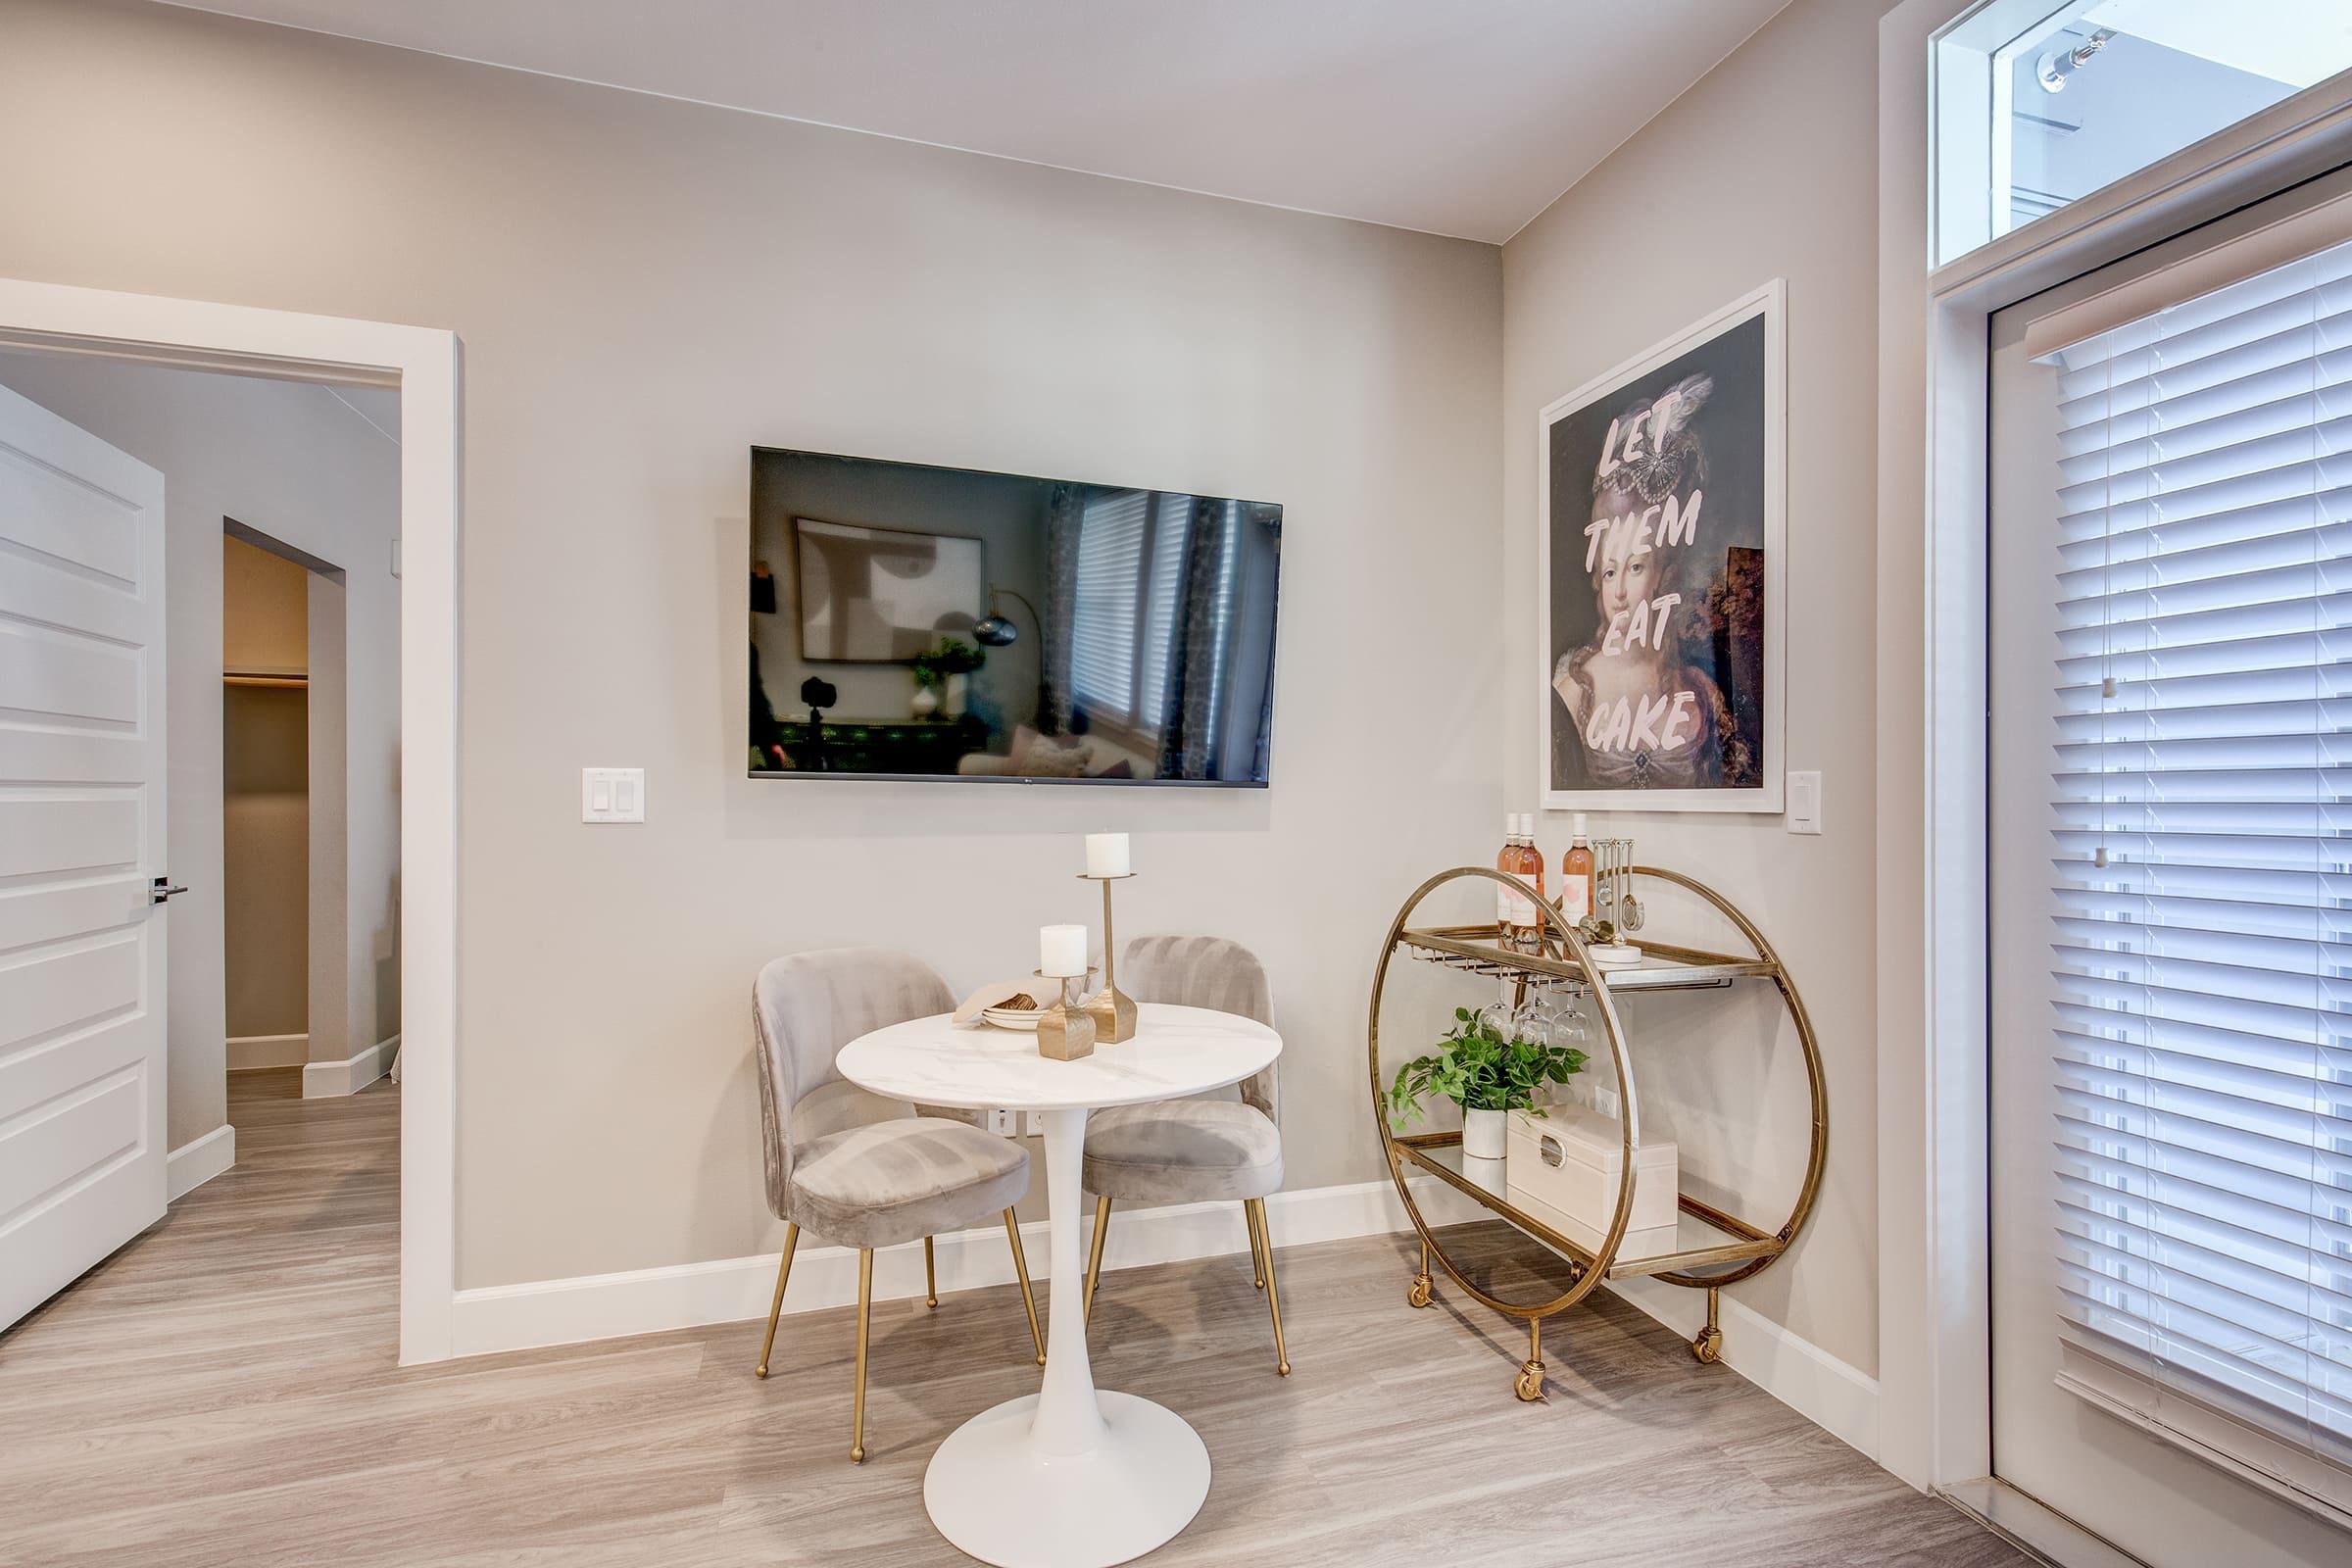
(1930, 1422)
(1971, 69)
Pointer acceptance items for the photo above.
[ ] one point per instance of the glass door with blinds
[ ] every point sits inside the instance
(2169, 896)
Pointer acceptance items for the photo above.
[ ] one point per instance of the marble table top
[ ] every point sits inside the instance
(1176, 1051)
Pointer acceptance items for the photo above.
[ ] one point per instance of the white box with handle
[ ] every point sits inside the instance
(1563, 1168)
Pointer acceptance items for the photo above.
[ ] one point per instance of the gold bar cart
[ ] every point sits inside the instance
(1711, 1248)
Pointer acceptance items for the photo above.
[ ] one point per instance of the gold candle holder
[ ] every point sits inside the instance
(1066, 1032)
(1112, 1009)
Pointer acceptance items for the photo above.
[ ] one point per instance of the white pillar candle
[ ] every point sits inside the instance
(1107, 855)
(1061, 951)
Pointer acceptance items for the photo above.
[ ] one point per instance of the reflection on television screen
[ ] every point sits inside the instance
(944, 622)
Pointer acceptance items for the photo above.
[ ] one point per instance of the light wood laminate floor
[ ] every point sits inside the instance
(223, 1392)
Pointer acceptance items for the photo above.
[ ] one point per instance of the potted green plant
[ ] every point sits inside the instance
(1487, 1074)
(942, 672)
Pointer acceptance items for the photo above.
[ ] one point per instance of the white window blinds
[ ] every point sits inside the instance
(2202, 933)
(1103, 614)
(1132, 549)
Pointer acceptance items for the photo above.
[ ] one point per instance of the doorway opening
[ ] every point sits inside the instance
(227, 649)
(420, 370)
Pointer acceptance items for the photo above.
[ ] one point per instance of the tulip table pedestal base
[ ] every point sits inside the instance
(1071, 1476)
(999, 1497)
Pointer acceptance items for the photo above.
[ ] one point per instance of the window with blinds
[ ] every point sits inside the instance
(1104, 610)
(2202, 946)
(1131, 558)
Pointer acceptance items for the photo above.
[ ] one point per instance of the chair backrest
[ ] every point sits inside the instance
(805, 1007)
(1206, 972)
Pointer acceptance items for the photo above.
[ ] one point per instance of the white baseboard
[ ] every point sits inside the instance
(595, 1307)
(513, 1317)
(199, 1161)
(321, 1080)
(1842, 1399)
(254, 1053)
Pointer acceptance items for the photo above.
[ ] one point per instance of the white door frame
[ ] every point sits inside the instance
(424, 365)
(1934, 1315)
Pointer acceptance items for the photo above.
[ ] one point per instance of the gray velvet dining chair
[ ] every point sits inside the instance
(854, 1168)
(1199, 1149)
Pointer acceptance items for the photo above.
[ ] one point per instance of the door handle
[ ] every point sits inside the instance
(161, 890)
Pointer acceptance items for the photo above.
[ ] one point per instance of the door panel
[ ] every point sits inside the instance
(2093, 1463)
(81, 791)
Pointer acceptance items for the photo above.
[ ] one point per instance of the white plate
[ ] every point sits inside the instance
(1013, 1017)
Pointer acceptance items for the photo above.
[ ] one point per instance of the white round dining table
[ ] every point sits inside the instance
(1070, 1476)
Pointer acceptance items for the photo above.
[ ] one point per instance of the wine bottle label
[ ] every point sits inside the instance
(1575, 897)
(1513, 908)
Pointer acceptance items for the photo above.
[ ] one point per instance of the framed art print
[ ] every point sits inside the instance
(1662, 567)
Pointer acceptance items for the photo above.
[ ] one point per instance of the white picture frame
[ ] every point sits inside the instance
(1575, 781)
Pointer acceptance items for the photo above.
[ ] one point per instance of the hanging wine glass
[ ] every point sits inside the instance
(1568, 1023)
(1496, 1015)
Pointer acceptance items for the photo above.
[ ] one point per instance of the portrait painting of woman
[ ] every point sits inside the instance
(1661, 576)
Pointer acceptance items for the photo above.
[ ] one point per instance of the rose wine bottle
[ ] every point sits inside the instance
(1576, 875)
(1515, 912)
(1531, 871)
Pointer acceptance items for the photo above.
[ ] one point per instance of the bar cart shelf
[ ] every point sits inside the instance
(1710, 1248)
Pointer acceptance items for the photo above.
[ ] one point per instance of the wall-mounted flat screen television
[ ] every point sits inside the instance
(921, 623)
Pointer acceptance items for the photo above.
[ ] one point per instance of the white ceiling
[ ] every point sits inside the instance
(1457, 117)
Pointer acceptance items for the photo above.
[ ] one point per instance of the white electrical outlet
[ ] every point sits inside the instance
(1004, 1123)
(611, 793)
(1035, 1124)
(1604, 1100)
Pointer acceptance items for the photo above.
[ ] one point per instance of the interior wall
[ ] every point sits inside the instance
(646, 289)
(265, 612)
(264, 787)
(300, 465)
(1766, 168)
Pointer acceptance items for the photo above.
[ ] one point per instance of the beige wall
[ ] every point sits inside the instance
(265, 612)
(264, 787)
(298, 465)
(648, 288)
(1765, 168)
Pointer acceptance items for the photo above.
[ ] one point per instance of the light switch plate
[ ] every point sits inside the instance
(1804, 803)
(611, 793)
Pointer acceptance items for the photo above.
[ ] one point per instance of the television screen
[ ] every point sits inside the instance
(921, 623)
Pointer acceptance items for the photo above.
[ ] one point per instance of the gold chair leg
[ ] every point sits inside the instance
(1257, 1267)
(792, 1234)
(1020, 1267)
(1094, 1261)
(1265, 1237)
(930, 1276)
(866, 1303)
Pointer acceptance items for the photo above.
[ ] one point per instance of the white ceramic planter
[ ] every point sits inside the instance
(1483, 1133)
(924, 703)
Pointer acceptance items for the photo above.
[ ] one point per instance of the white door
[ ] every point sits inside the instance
(81, 839)
(2169, 896)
